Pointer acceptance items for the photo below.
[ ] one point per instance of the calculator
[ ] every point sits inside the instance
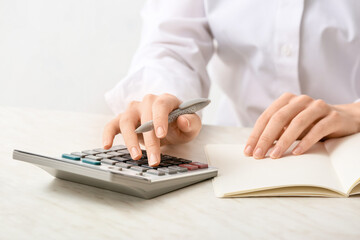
(115, 170)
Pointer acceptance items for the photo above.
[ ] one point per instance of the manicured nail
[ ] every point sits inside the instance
(187, 122)
(134, 152)
(153, 159)
(275, 152)
(160, 132)
(248, 150)
(297, 151)
(258, 153)
(105, 143)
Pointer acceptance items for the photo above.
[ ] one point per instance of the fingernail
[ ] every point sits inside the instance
(297, 151)
(187, 122)
(248, 150)
(275, 152)
(258, 153)
(153, 159)
(160, 132)
(134, 152)
(105, 143)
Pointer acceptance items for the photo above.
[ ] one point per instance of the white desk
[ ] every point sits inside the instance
(34, 205)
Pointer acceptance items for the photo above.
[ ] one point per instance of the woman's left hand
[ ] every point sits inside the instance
(293, 117)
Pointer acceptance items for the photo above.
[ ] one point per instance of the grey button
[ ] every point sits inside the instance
(138, 168)
(120, 159)
(179, 169)
(118, 147)
(126, 156)
(123, 152)
(79, 154)
(89, 152)
(147, 166)
(123, 165)
(155, 172)
(115, 168)
(108, 161)
(104, 155)
(114, 154)
(167, 170)
(92, 157)
(101, 150)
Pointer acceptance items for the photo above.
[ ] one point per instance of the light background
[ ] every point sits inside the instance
(64, 55)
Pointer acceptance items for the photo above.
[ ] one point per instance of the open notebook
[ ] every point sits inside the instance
(328, 169)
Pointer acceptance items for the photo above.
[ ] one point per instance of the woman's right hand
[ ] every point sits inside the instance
(156, 108)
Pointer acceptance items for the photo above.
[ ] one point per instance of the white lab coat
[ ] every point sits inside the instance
(266, 48)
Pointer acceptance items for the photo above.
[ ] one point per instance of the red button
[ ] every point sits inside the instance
(189, 167)
(199, 164)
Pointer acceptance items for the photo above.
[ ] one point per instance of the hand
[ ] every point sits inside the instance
(293, 117)
(156, 108)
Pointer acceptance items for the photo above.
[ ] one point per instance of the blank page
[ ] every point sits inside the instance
(241, 174)
(345, 156)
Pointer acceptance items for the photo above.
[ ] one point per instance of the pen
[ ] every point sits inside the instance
(187, 107)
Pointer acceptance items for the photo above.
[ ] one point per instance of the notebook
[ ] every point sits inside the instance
(328, 169)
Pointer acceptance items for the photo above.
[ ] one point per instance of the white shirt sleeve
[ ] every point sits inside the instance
(175, 48)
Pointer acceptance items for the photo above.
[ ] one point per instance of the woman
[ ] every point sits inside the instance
(291, 70)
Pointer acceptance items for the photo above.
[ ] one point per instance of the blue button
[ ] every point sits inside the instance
(71, 157)
(90, 161)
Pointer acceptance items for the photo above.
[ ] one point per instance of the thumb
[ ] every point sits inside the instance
(189, 124)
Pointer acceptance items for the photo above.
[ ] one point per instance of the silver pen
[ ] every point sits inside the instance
(187, 107)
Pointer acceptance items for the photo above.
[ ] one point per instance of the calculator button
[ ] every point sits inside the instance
(147, 166)
(133, 162)
(138, 168)
(162, 164)
(184, 160)
(70, 156)
(123, 165)
(79, 154)
(123, 152)
(167, 170)
(114, 154)
(92, 157)
(155, 172)
(199, 164)
(103, 155)
(126, 156)
(179, 169)
(115, 168)
(189, 166)
(108, 161)
(119, 159)
(91, 161)
(89, 152)
(101, 150)
(118, 147)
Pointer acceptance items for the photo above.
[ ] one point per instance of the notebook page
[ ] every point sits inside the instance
(345, 156)
(238, 173)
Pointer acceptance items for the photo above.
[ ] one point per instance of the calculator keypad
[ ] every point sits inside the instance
(118, 157)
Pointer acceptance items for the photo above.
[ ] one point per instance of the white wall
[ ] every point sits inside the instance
(66, 54)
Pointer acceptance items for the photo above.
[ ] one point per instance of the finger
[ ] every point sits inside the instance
(186, 128)
(152, 143)
(298, 125)
(161, 108)
(189, 124)
(321, 129)
(110, 131)
(262, 121)
(276, 124)
(128, 123)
